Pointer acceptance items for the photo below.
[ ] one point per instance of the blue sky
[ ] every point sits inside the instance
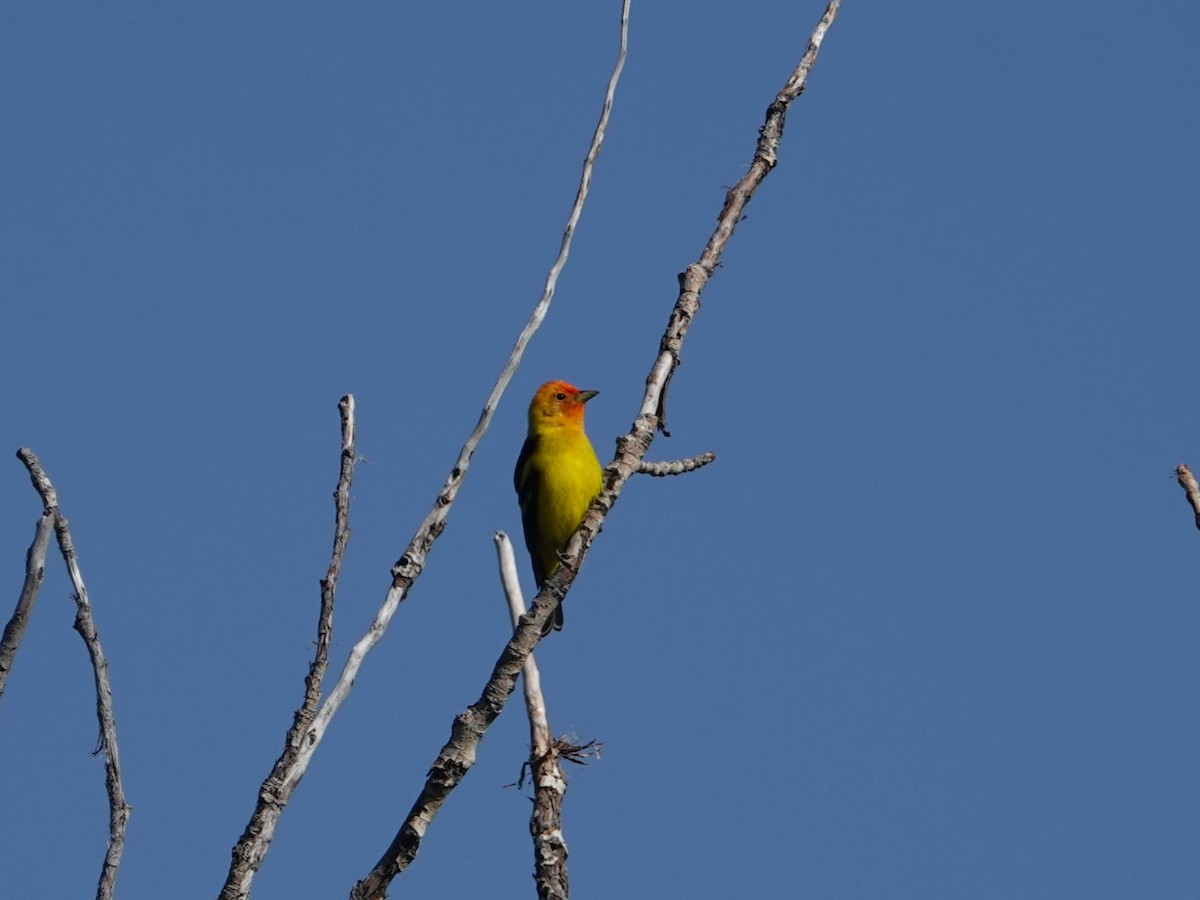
(927, 627)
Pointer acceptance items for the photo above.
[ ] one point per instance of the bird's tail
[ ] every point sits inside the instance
(555, 622)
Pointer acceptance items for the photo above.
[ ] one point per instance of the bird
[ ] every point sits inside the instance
(557, 477)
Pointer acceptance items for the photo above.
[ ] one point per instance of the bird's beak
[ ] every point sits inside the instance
(585, 396)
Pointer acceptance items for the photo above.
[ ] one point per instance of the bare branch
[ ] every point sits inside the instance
(458, 755)
(549, 785)
(118, 808)
(535, 704)
(1187, 481)
(341, 537)
(692, 281)
(676, 466)
(278, 786)
(35, 570)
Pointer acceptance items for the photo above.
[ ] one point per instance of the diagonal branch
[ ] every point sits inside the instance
(412, 562)
(118, 808)
(458, 755)
(35, 570)
(273, 796)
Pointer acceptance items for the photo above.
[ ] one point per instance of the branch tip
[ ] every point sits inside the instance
(277, 788)
(1191, 489)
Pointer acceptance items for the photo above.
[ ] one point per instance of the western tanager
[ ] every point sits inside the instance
(557, 477)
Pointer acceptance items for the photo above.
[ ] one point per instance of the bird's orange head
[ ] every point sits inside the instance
(558, 403)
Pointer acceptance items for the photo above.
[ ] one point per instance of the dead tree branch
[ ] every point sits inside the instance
(118, 808)
(279, 785)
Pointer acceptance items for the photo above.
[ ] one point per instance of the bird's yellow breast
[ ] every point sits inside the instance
(557, 480)
(569, 477)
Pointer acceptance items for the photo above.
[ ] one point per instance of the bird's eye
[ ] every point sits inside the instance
(560, 396)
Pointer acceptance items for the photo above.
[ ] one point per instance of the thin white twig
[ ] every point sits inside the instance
(535, 703)
(412, 562)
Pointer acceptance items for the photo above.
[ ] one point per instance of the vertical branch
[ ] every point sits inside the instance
(118, 808)
(277, 788)
(35, 570)
(549, 785)
(458, 755)
(341, 537)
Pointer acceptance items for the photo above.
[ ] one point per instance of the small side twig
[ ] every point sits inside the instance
(279, 785)
(1191, 489)
(457, 755)
(35, 570)
(118, 808)
(675, 466)
(549, 785)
